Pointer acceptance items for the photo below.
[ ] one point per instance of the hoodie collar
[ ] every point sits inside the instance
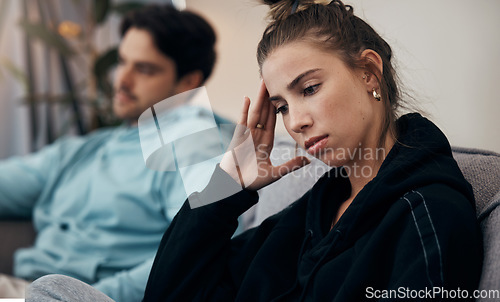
(421, 156)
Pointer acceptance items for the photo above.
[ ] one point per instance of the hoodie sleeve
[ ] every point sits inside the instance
(432, 246)
(192, 261)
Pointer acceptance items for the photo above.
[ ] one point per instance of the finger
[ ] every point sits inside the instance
(264, 98)
(264, 111)
(270, 127)
(244, 111)
(290, 166)
(271, 118)
(255, 112)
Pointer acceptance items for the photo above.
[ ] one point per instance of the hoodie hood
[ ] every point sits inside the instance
(421, 156)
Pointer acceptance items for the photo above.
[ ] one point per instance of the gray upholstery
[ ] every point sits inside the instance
(481, 168)
(14, 234)
(490, 224)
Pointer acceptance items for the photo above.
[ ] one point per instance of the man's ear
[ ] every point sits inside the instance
(374, 68)
(189, 81)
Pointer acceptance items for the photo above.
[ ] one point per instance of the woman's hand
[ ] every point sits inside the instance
(248, 157)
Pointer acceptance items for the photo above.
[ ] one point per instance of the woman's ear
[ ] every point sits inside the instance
(189, 81)
(374, 68)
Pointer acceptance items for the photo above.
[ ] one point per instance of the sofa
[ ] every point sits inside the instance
(481, 168)
(14, 234)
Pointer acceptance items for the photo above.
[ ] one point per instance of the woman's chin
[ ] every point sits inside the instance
(332, 163)
(330, 160)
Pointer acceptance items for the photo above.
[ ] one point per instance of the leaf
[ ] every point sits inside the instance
(48, 36)
(101, 9)
(105, 62)
(124, 8)
(16, 72)
(102, 66)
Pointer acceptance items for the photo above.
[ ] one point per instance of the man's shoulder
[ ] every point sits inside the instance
(198, 113)
(97, 137)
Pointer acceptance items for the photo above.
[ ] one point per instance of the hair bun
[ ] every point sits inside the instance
(272, 2)
(280, 9)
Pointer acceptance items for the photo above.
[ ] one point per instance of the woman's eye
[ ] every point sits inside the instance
(281, 109)
(311, 90)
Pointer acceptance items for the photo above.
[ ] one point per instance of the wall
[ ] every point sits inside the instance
(446, 53)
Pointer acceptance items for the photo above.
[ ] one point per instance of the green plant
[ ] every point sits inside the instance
(77, 54)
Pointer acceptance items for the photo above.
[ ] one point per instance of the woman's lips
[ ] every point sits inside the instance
(315, 144)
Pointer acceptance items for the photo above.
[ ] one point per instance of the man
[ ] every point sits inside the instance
(98, 210)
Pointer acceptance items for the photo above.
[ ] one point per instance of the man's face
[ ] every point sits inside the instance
(144, 76)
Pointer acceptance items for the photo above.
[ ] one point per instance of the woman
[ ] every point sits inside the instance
(394, 218)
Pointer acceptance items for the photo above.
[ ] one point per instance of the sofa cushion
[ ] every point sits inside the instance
(14, 234)
(482, 170)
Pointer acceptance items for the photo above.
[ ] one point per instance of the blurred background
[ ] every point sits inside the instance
(57, 59)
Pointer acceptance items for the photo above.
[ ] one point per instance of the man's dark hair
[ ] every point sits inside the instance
(183, 36)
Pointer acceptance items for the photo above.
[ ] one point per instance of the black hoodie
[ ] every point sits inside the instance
(410, 233)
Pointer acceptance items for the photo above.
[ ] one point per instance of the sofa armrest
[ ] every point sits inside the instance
(14, 234)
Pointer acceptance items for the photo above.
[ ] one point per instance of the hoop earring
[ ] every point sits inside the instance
(376, 95)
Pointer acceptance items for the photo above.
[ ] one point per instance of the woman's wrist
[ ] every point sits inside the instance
(229, 166)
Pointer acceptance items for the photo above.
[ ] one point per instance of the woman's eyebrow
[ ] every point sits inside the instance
(274, 98)
(299, 77)
(294, 82)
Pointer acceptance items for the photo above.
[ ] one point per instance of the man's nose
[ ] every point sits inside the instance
(124, 77)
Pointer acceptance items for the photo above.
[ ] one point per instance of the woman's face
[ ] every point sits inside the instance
(327, 107)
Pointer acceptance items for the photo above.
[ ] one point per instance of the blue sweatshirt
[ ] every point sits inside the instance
(99, 212)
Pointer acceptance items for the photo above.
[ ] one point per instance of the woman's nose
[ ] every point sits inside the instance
(300, 118)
